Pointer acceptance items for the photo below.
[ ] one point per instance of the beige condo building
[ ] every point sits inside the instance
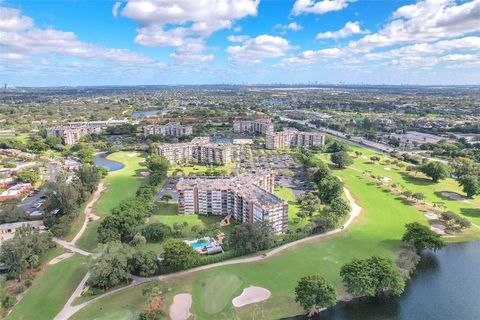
(291, 138)
(174, 129)
(199, 150)
(261, 126)
(247, 197)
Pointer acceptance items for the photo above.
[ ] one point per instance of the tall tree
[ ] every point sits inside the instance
(330, 188)
(470, 185)
(421, 237)
(342, 159)
(314, 293)
(371, 277)
(109, 267)
(178, 254)
(251, 237)
(435, 170)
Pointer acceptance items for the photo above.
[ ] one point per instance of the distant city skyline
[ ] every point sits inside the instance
(156, 42)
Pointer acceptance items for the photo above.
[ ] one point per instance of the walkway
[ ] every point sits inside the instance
(69, 310)
(87, 212)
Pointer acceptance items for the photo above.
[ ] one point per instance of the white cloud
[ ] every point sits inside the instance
(191, 51)
(234, 38)
(11, 20)
(255, 49)
(292, 26)
(311, 56)
(349, 29)
(425, 21)
(115, 8)
(427, 49)
(171, 22)
(20, 38)
(319, 7)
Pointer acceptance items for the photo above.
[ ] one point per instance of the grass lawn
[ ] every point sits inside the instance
(217, 292)
(120, 185)
(51, 290)
(198, 169)
(469, 208)
(167, 213)
(377, 231)
(287, 194)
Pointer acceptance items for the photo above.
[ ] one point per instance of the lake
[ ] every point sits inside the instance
(446, 286)
(146, 113)
(101, 161)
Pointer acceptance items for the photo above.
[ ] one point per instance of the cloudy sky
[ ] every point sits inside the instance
(239, 41)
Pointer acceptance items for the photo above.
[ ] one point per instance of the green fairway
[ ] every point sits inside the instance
(377, 230)
(120, 185)
(216, 293)
(51, 290)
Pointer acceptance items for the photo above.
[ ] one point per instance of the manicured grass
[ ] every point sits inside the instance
(120, 306)
(217, 292)
(121, 185)
(51, 290)
(198, 169)
(377, 231)
(469, 208)
(287, 194)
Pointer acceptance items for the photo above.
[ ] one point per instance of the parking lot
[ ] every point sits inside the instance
(32, 203)
(169, 188)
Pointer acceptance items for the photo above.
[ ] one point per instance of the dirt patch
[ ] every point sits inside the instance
(453, 196)
(251, 295)
(60, 258)
(438, 228)
(180, 308)
(93, 217)
(144, 173)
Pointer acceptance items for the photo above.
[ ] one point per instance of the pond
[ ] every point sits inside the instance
(101, 161)
(146, 113)
(445, 286)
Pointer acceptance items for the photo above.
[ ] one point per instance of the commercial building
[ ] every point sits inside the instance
(261, 126)
(291, 138)
(174, 129)
(247, 198)
(199, 150)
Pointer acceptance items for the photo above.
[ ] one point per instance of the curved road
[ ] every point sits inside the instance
(69, 310)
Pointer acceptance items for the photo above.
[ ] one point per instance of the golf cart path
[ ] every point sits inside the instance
(69, 310)
(70, 245)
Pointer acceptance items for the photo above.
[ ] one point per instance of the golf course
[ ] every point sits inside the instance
(377, 230)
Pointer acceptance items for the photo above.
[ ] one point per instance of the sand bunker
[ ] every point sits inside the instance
(61, 258)
(453, 195)
(251, 295)
(388, 169)
(386, 179)
(180, 308)
(131, 154)
(431, 215)
(438, 228)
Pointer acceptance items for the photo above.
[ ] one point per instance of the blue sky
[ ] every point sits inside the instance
(46, 43)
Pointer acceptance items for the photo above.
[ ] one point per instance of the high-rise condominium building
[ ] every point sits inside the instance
(199, 150)
(247, 197)
(174, 129)
(262, 125)
(72, 134)
(291, 138)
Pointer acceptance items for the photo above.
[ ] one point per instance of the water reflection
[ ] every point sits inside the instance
(446, 286)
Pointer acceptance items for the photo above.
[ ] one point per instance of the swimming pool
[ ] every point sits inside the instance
(200, 243)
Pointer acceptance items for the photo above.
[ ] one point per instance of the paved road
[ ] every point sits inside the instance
(69, 310)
